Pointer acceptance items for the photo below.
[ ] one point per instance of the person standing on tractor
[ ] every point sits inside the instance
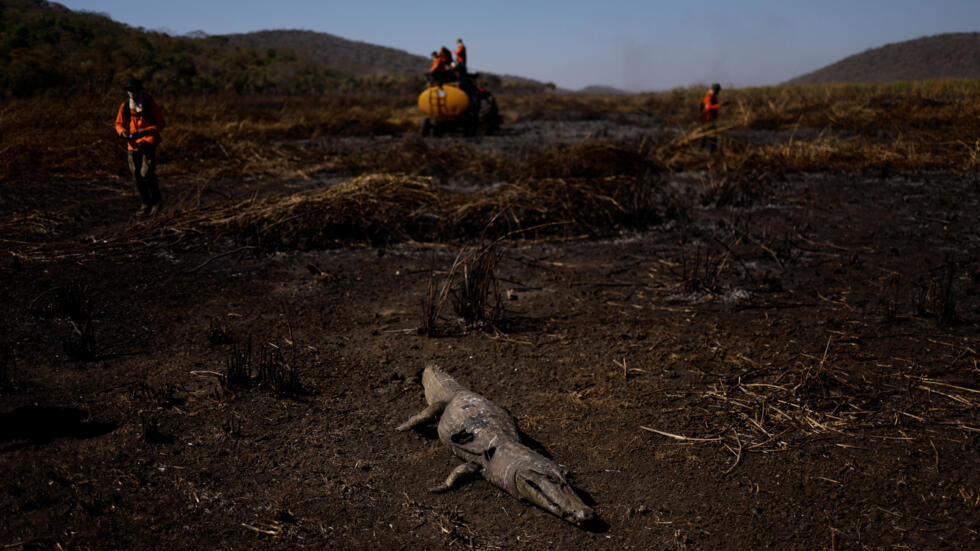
(465, 82)
(139, 122)
(441, 65)
(460, 57)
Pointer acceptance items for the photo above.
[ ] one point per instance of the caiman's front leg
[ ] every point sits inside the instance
(430, 413)
(464, 469)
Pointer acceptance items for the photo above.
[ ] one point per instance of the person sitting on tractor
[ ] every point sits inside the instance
(441, 64)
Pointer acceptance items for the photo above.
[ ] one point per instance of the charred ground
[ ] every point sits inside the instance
(772, 347)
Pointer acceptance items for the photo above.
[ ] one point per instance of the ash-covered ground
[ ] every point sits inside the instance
(789, 362)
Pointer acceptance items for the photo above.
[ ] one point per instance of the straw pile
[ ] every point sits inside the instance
(372, 208)
(383, 208)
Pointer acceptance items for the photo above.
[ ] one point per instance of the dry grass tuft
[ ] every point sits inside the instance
(399, 188)
(903, 125)
(273, 369)
(770, 407)
(471, 286)
(587, 160)
(384, 208)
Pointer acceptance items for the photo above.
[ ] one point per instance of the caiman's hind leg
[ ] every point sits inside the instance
(430, 413)
(464, 469)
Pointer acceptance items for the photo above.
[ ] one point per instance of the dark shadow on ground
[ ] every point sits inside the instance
(520, 324)
(37, 424)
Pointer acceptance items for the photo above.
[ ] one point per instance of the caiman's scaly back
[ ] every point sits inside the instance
(484, 436)
(438, 386)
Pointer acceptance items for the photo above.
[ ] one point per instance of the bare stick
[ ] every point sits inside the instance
(623, 365)
(824, 478)
(935, 382)
(679, 437)
(954, 397)
(825, 350)
(205, 373)
(275, 531)
(738, 455)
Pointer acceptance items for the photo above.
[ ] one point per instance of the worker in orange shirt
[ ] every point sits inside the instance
(460, 57)
(710, 105)
(441, 64)
(139, 122)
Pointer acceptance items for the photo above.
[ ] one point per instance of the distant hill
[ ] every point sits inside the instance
(952, 55)
(356, 58)
(48, 48)
(599, 89)
(339, 54)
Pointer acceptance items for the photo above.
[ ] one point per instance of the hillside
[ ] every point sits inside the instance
(339, 54)
(601, 90)
(952, 55)
(358, 59)
(48, 48)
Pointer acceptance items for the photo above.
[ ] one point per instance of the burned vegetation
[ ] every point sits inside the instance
(771, 345)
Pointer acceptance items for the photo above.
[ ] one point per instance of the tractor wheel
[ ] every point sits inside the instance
(426, 127)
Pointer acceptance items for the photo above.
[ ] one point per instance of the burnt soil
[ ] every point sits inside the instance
(790, 364)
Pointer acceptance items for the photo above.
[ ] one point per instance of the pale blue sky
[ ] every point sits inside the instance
(629, 44)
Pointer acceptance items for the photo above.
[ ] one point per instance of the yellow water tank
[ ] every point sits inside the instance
(444, 102)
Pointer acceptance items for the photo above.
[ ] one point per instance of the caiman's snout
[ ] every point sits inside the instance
(582, 516)
(551, 492)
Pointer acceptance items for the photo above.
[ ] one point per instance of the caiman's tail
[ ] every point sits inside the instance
(438, 386)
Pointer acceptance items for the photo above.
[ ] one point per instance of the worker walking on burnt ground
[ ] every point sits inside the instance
(441, 69)
(710, 106)
(139, 121)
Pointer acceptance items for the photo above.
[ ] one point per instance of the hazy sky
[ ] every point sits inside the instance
(630, 44)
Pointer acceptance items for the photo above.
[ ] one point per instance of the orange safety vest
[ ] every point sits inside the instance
(709, 107)
(149, 121)
(441, 62)
(461, 54)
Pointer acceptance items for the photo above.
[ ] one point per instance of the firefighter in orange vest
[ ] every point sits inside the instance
(441, 64)
(460, 56)
(710, 105)
(139, 122)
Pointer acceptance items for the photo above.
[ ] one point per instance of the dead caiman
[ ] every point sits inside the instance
(485, 437)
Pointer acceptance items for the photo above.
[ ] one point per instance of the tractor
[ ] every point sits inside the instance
(458, 106)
